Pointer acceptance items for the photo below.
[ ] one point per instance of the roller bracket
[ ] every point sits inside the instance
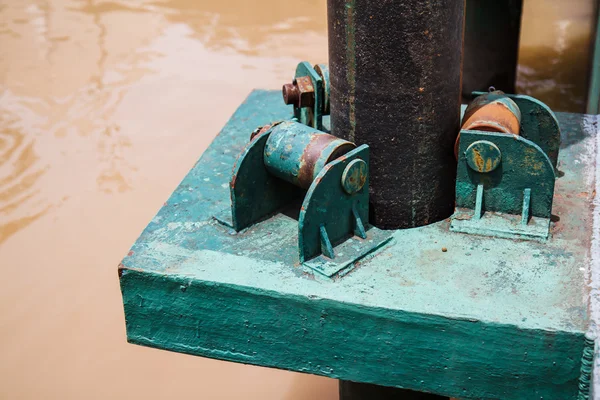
(268, 179)
(505, 182)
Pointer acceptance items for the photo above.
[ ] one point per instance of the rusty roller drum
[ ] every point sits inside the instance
(395, 71)
(492, 112)
(297, 153)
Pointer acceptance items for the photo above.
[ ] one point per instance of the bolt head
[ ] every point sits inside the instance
(483, 156)
(291, 94)
(354, 176)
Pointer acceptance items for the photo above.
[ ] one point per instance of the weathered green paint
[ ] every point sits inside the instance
(255, 193)
(349, 253)
(487, 319)
(499, 225)
(323, 71)
(526, 210)
(354, 176)
(330, 216)
(453, 356)
(524, 166)
(312, 116)
(538, 124)
(328, 205)
(483, 156)
(587, 366)
(297, 153)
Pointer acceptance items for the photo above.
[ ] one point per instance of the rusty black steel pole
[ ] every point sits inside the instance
(492, 33)
(395, 69)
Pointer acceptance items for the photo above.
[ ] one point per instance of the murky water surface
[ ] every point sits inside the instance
(104, 106)
(556, 41)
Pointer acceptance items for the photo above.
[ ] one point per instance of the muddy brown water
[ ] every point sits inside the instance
(104, 106)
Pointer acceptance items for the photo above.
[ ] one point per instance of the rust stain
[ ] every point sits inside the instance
(320, 151)
(488, 115)
(306, 92)
(478, 159)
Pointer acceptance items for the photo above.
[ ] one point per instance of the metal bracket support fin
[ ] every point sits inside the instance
(479, 202)
(525, 214)
(359, 228)
(326, 247)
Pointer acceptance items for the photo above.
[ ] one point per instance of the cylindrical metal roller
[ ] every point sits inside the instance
(297, 153)
(395, 70)
(491, 112)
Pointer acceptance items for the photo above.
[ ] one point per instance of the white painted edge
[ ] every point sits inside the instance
(592, 123)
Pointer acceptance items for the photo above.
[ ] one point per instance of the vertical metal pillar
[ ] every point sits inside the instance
(395, 70)
(492, 34)
(364, 391)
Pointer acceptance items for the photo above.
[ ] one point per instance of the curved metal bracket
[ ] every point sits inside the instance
(255, 193)
(333, 231)
(329, 215)
(538, 124)
(514, 199)
(312, 116)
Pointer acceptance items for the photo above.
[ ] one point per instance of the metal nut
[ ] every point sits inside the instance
(300, 93)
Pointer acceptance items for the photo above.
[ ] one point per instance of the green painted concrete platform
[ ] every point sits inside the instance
(487, 319)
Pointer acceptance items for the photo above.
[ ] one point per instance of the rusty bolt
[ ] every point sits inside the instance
(291, 94)
(300, 93)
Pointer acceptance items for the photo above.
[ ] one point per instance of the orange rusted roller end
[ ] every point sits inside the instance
(492, 112)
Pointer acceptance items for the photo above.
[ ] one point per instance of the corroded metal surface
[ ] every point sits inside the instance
(491, 112)
(523, 165)
(494, 112)
(483, 156)
(395, 72)
(297, 153)
(309, 94)
(254, 192)
(538, 124)
(355, 176)
(405, 316)
(329, 215)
